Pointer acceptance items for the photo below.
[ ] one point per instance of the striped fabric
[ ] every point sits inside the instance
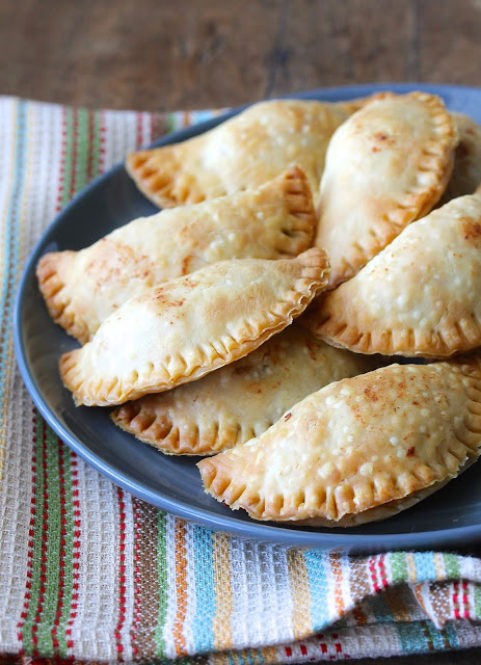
(91, 573)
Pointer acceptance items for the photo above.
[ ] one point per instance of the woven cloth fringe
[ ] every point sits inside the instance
(91, 573)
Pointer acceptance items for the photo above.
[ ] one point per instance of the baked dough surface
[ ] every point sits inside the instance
(81, 289)
(418, 297)
(243, 152)
(241, 400)
(386, 166)
(360, 449)
(190, 326)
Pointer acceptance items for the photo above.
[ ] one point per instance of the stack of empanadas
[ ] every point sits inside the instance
(364, 213)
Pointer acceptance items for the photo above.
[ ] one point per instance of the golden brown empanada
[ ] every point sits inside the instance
(466, 174)
(358, 450)
(191, 325)
(243, 152)
(419, 296)
(82, 288)
(241, 400)
(386, 166)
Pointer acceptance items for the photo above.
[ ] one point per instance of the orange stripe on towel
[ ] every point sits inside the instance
(181, 588)
(222, 627)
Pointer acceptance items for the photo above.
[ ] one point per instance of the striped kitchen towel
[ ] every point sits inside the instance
(89, 572)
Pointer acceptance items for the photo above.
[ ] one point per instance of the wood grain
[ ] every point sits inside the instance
(165, 54)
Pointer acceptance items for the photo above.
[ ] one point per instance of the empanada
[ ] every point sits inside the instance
(466, 174)
(419, 296)
(357, 450)
(239, 401)
(244, 152)
(386, 166)
(191, 325)
(82, 288)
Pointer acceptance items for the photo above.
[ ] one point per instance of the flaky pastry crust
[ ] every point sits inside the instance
(359, 449)
(81, 289)
(386, 166)
(243, 152)
(190, 326)
(241, 400)
(419, 297)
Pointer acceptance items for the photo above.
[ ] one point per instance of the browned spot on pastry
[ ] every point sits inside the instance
(472, 232)
(287, 416)
(165, 299)
(381, 139)
(189, 282)
(116, 261)
(185, 264)
(371, 394)
(410, 451)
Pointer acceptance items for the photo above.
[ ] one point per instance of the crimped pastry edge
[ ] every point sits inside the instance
(111, 391)
(224, 489)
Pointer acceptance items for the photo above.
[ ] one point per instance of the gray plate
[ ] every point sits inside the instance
(452, 517)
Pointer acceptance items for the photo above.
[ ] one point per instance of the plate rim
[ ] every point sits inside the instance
(336, 539)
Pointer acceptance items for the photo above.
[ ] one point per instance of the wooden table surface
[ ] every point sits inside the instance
(186, 54)
(170, 54)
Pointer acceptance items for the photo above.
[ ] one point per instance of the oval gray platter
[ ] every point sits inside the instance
(451, 518)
